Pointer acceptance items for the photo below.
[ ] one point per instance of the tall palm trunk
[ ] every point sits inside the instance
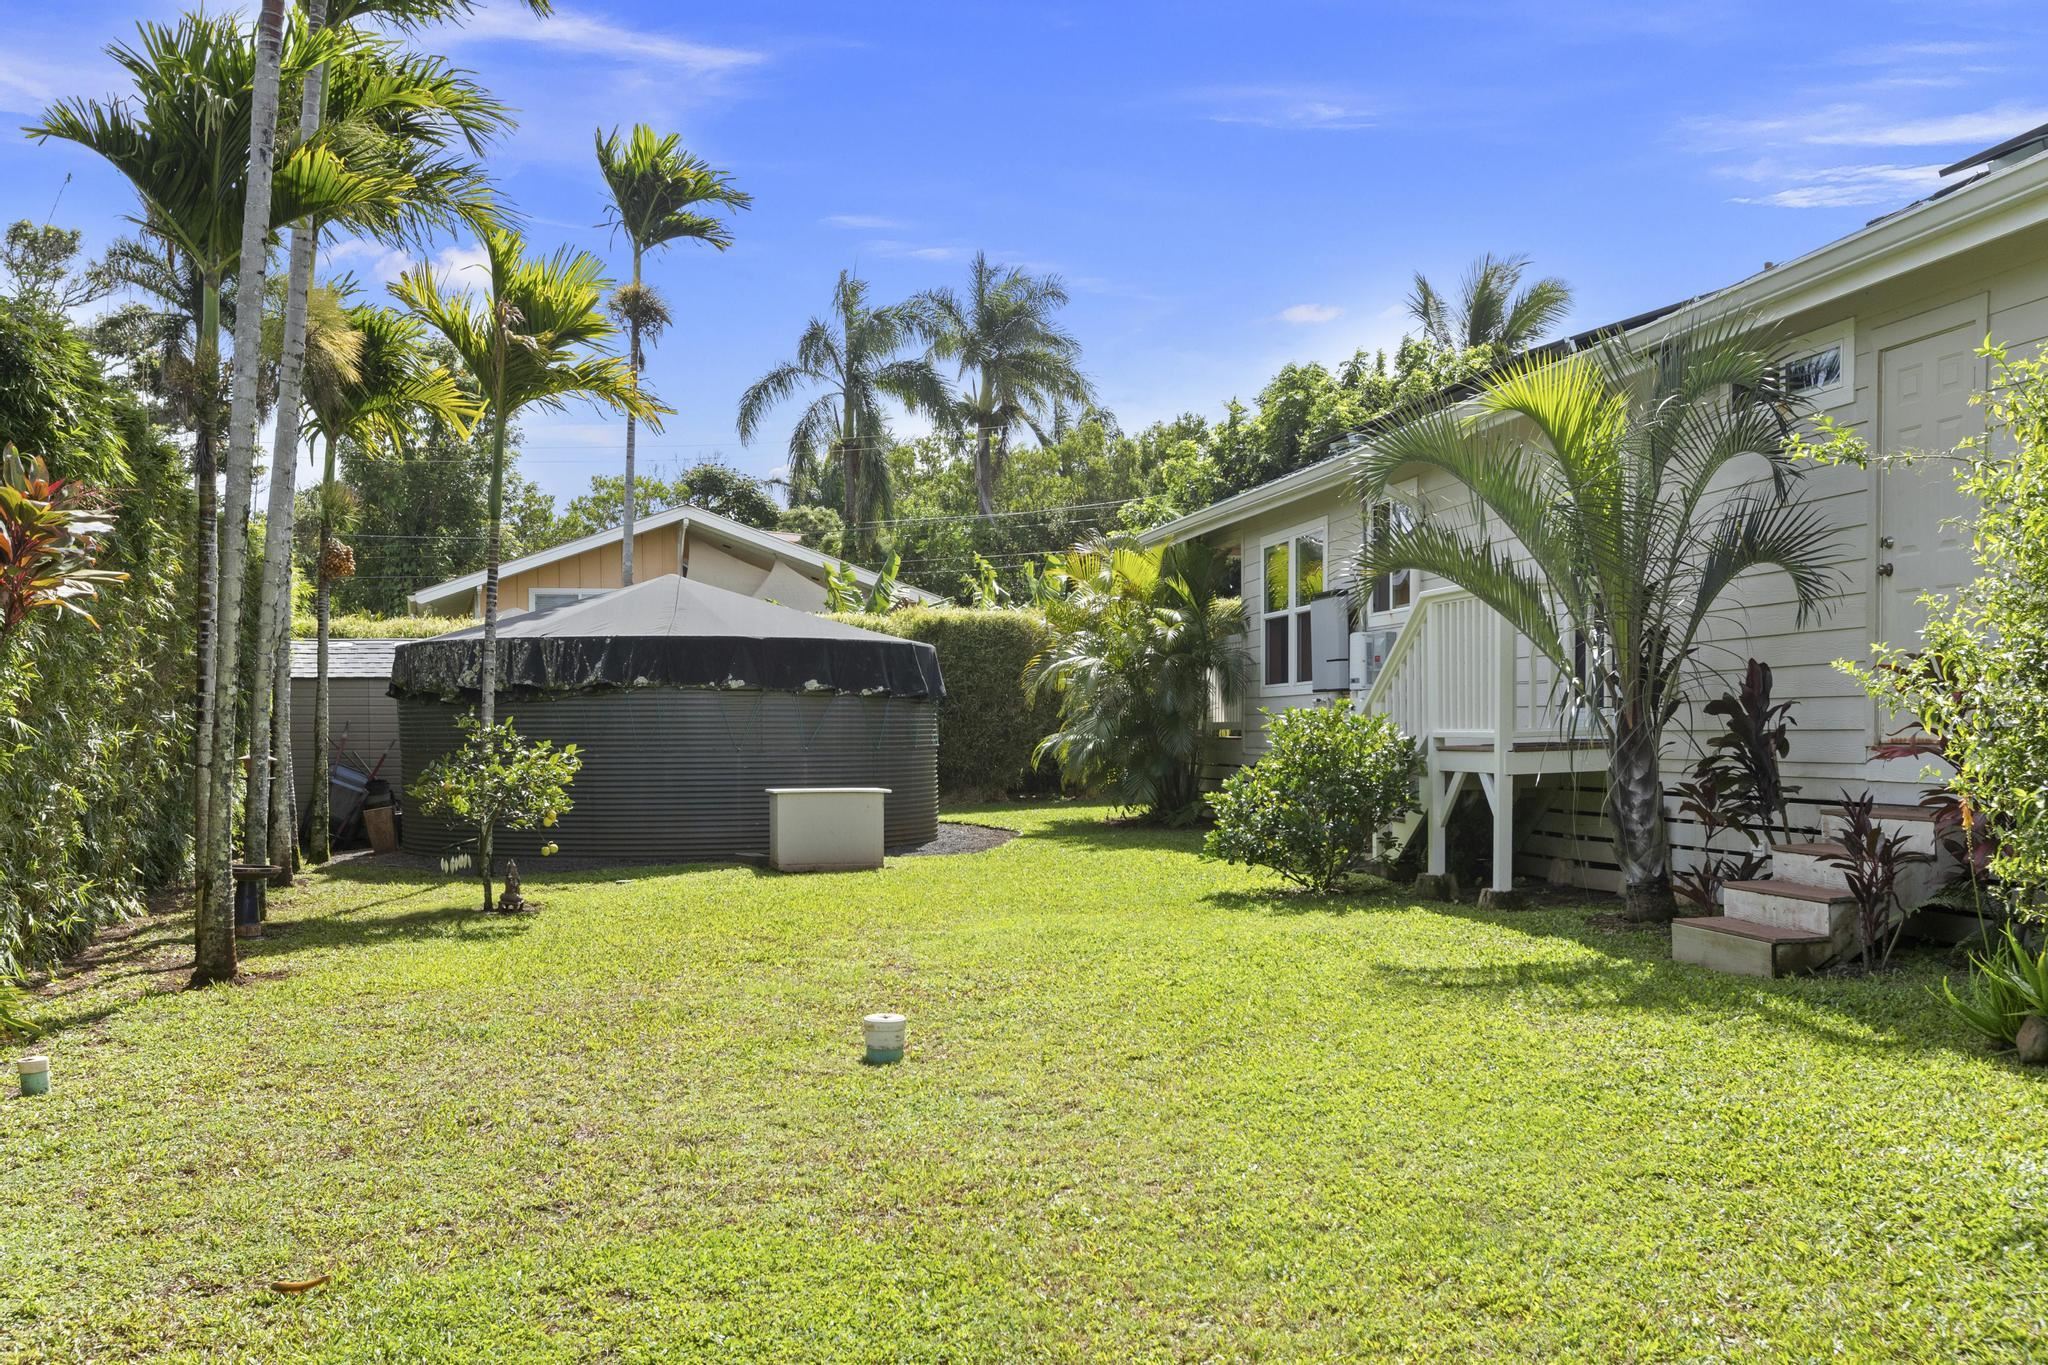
(206, 487)
(320, 834)
(259, 836)
(1635, 801)
(638, 362)
(284, 791)
(216, 932)
(488, 683)
(985, 468)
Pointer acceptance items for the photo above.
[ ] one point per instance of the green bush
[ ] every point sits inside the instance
(987, 727)
(2006, 985)
(360, 626)
(94, 723)
(1332, 781)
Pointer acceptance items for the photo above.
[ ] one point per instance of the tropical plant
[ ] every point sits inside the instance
(1974, 681)
(657, 193)
(1871, 861)
(1140, 640)
(48, 535)
(372, 403)
(1015, 362)
(1328, 786)
(1714, 802)
(2008, 984)
(530, 340)
(1738, 786)
(855, 363)
(14, 1020)
(1489, 310)
(494, 780)
(184, 141)
(1602, 468)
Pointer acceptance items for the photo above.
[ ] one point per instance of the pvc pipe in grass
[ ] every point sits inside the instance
(35, 1075)
(883, 1034)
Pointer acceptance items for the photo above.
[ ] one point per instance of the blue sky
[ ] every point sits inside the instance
(1225, 187)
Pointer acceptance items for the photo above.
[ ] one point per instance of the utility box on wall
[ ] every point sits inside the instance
(1329, 624)
(825, 829)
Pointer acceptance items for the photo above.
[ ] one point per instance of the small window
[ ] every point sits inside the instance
(1815, 370)
(1821, 366)
(547, 599)
(1394, 590)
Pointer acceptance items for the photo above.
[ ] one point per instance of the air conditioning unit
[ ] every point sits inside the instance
(1369, 651)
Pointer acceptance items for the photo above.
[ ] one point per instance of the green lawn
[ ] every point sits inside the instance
(1153, 1109)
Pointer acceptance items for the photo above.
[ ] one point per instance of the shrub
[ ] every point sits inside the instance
(988, 728)
(2006, 986)
(362, 626)
(1331, 783)
(496, 780)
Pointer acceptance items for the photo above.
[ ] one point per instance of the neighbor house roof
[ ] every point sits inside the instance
(345, 658)
(770, 542)
(1955, 218)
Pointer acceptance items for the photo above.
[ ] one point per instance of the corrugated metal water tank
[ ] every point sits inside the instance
(683, 773)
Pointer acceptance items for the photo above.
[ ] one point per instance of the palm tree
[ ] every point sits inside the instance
(855, 360)
(1015, 362)
(528, 341)
(183, 141)
(1600, 468)
(656, 187)
(1140, 637)
(373, 402)
(426, 120)
(1489, 311)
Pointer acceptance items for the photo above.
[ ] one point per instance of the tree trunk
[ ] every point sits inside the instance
(284, 791)
(487, 684)
(1635, 805)
(213, 930)
(217, 958)
(320, 825)
(626, 515)
(984, 470)
(259, 838)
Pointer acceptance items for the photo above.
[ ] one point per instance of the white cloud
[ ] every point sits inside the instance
(1860, 125)
(578, 31)
(1845, 186)
(866, 221)
(911, 251)
(1309, 314)
(1307, 108)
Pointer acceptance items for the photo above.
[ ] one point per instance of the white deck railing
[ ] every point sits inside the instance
(1460, 673)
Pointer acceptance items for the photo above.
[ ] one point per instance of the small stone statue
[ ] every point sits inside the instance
(511, 902)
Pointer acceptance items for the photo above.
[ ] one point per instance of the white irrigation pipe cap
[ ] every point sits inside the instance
(883, 1034)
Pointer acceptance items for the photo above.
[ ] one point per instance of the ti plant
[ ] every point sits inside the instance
(1737, 785)
(1871, 862)
(48, 544)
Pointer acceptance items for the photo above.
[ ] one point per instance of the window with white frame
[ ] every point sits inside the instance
(547, 599)
(1393, 591)
(1291, 576)
(1820, 367)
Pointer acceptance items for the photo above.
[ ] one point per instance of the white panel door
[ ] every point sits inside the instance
(1923, 545)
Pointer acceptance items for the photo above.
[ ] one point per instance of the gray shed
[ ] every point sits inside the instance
(688, 702)
(362, 717)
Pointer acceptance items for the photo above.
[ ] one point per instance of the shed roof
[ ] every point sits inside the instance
(345, 658)
(675, 632)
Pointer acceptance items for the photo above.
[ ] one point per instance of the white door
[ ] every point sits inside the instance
(1923, 545)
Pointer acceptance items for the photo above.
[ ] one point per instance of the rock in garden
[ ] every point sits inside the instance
(2032, 1040)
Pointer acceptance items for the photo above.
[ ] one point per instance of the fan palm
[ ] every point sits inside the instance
(855, 363)
(1015, 362)
(184, 142)
(530, 340)
(656, 188)
(1599, 467)
(1489, 311)
(1140, 637)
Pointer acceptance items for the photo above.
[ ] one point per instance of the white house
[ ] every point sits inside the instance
(1889, 320)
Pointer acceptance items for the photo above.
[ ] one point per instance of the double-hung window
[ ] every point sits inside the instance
(1291, 576)
(1394, 590)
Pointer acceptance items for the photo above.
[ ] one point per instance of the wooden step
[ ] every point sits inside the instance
(1743, 947)
(1833, 848)
(1888, 810)
(1805, 906)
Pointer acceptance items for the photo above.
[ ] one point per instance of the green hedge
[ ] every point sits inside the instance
(95, 724)
(987, 728)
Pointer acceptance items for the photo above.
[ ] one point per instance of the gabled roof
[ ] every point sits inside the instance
(772, 543)
(345, 658)
(1957, 218)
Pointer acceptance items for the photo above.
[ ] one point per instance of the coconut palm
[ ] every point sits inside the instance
(656, 188)
(530, 340)
(376, 104)
(1140, 637)
(183, 140)
(1489, 311)
(854, 361)
(1600, 468)
(1015, 362)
